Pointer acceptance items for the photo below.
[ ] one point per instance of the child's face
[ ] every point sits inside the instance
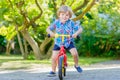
(64, 16)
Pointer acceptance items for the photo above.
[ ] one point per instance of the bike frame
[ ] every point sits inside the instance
(62, 49)
(63, 53)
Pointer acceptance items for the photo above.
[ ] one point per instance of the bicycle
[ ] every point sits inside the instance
(62, 58)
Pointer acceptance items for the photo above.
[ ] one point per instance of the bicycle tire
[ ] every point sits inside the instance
(61, 70)
(64, 71)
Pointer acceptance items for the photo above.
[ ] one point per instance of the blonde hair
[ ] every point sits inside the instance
(64, 8)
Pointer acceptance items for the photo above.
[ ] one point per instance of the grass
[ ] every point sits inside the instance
(16, 62)
(86, 61)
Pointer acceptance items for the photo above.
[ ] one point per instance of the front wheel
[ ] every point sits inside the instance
(61, 68)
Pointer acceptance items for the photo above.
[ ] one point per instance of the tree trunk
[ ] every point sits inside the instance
(49, 52)
(33, 44)
(21, 46)
(20, 43)
(8, 48)
(26, 49)
(44, 44)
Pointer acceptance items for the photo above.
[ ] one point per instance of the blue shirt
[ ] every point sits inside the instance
(68, 28)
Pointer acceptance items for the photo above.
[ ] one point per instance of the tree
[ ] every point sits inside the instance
(25, 19)
(26, 24)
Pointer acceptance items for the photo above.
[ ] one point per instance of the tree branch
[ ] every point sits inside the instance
(39, 15)
(81, 6)
(72, 2)
(11, 4)
(55, 6)
(86, 10)
(63, 2)
(23, 13)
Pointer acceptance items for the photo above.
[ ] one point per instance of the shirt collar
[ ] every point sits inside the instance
(65, 22)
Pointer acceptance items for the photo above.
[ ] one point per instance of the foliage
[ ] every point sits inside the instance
(2, 43)
(101, 29)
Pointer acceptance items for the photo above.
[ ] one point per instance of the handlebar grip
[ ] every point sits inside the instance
(78, 37)
(48, 35)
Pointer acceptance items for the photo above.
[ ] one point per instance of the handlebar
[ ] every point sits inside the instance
(62, 35)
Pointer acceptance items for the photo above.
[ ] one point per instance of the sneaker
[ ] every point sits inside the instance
(79, 69)
(51, 74)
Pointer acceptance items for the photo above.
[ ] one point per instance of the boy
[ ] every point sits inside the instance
(63, 25)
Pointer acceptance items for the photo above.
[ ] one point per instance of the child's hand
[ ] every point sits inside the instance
(74, 35)
(52, 34)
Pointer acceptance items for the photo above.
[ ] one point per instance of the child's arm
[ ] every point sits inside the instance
(50, 32)
(77, 32)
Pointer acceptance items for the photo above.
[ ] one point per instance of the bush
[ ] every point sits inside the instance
(96, 45)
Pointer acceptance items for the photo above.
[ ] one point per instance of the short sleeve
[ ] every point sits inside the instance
(77, 25)
(52, 26)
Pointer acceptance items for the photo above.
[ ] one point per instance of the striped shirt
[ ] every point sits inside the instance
(68, 28)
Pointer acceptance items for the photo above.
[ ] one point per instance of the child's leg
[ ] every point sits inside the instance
(75, 57)
(54, 58)
(74, 53)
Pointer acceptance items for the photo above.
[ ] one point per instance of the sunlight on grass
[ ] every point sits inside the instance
(86, 61)
(17, 62)
(3, 57)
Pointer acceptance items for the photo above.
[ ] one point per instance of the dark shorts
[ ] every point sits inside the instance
(56, 47)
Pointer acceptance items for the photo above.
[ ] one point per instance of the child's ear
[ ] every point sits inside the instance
(58, 16)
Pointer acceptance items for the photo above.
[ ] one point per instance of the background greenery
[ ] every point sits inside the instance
(101, 26)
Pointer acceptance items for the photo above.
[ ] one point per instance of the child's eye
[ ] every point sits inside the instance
(67, 15)
(63, 14)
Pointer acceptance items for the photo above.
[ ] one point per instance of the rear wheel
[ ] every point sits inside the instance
(61, 68)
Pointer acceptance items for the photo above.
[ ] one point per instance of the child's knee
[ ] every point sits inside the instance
(53, 57)
(75, 54)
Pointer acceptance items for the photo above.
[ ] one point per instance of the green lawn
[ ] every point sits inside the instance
(85, 61)
(16, 62)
